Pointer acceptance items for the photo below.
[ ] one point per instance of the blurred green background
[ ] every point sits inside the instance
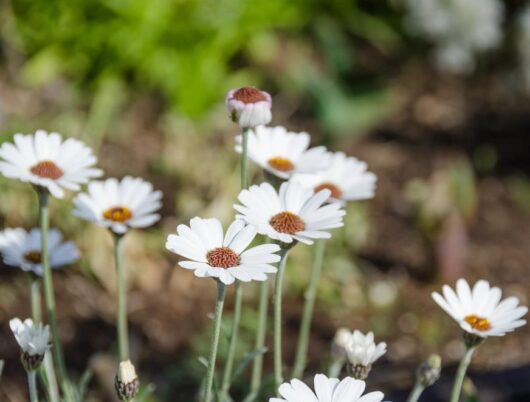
(143, 82)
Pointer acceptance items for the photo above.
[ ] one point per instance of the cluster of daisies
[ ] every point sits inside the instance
(300, 201)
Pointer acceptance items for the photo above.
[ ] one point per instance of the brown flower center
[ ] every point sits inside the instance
(33, 256)
(287, 222)
(118, 214)
(222, 257)
(281, 164)
(335, 191)
(478, 323)
(249, 95)
(47, 170)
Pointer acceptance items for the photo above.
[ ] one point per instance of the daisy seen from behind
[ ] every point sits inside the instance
(284, 153)
(362, 352)
(327, 390)
(480, 311)
(249, 107)
(346, 177)
(119, 205)
(295, 213)
(46, 161)
(23, 249)
(224, 256)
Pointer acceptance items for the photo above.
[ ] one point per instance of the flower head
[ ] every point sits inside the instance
(480, 311)
(22, 249)
(33, 341)
(46, 161)
(210, 253)
(363, 352)
(249, 107)
(327, 390)
(341, 340)
(294, 214)
(126, 381)
(346, 178)
(119, 205)
(283, 153)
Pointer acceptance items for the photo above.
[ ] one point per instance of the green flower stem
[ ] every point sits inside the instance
(461, 373)
(310, 296)
(416, 392)
(32, 385)
(278, 284)
(238, 301)
(336, 368)
(36, 301)
(257, 368)
(57, 349)
(216, 330)
(121, 319)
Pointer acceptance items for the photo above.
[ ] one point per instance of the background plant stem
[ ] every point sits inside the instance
(305, 325)
(278, 284)
(216, 330)
(121, 319)
(257, 368)
(416, 392)
(461, 373)
(32, 385)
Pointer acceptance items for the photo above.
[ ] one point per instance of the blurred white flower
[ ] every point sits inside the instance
(249, 107)
(362, 350)
(33, 341)
(46, 161)
(459, 29)
(346, 177)
(284, 153)
(480, 311)
(340, 341)
(119, 205)
(295, 213)
(210, 253)
(22, 249)
(327, 390)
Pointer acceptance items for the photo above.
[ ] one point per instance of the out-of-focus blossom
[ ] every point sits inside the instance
(249, 107)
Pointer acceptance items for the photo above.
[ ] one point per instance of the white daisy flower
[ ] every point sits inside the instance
(295, 213)
(33, 341)
(119, 205)
(327, 390)
(249, 107)
(362, 350)
(283, 153)
(210, 253)
(46, 161)
(480, 311)
(22, 249)
(346, 177)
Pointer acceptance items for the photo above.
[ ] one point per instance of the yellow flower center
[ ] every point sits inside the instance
(287, 222)
(47, 170)
(33, 256)
(478, 323)
(222, 257)
(118, 214)
(249, 95)
(281, 164)
(335, 191)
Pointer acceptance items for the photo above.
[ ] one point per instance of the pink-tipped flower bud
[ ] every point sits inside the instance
(249, 107)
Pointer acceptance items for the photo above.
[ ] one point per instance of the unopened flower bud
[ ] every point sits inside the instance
(429, 371)
(33, 340)
(340, 342)
(126, 381)
(249, 107)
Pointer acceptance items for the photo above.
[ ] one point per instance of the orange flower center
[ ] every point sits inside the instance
(222, 257)
(249, 95)
(287, 222)
(478, 323)
(281, 164)
(118, 214)
(47, 170)
(335, 191)
(33, 256)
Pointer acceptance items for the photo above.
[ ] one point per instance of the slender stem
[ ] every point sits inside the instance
(216, 330)
(416, 392)
(305, 325)
(461, 373)
(32, 385)
(227, 377)
(36, 301)
(244, 158)
(48, 285)
(336, 368)
(278, 364)
(261, 333)
(121, 318)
